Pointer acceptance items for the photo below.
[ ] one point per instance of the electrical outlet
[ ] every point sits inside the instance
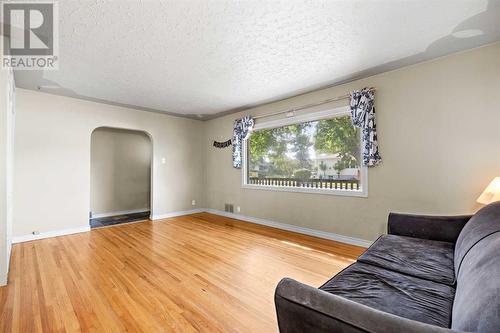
(163, 160)
(36, 232)
(193, 202)
(238, 209)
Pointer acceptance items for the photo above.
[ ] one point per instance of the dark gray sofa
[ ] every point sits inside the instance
(428, 274)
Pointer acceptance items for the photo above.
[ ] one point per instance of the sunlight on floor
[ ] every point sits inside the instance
(323, 252)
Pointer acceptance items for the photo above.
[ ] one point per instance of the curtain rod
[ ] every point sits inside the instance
(307, 106)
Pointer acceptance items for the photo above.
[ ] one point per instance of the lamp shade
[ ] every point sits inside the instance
(491, 193)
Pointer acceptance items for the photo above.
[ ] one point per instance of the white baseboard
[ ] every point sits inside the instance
(179, 213)
(293, 228)
(49, 234)
(119, 212)
(269, 223)
(3, 280)
(56, 233)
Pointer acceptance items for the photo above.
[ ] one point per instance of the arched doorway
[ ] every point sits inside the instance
(120, 181)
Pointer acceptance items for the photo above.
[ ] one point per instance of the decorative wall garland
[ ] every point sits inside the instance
(224, 144)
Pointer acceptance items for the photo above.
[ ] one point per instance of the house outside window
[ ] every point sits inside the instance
(315, 153)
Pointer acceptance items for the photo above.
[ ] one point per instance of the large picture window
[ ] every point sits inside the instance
(319, 152)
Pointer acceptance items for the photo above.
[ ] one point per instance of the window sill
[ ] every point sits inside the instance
(344, 193)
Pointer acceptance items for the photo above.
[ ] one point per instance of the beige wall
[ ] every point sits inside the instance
(6, 168)
(120, 168)
(52, 179)
(439, 135)
(439, 125)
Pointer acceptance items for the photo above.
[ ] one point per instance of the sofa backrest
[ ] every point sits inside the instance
(476, 307)
(484, 223)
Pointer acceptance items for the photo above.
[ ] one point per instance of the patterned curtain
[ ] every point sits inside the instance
(363, 116)
(241, 130)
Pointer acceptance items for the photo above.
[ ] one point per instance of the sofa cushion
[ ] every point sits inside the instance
(402, 295)
(477, 301)
(484, 223)
(422, 258)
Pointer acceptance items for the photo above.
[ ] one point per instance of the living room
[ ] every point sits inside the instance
(264, 166)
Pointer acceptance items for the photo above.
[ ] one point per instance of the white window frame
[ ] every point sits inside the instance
(321, 115)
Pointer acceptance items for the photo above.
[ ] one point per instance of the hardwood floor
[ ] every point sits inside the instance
(201, 272)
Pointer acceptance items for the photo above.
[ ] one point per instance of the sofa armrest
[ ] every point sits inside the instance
(302, 308)
(439, 228)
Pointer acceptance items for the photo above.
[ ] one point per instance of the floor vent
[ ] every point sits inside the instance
(229, 208)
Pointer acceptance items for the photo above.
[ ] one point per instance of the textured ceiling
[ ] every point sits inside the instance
(201, 58)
